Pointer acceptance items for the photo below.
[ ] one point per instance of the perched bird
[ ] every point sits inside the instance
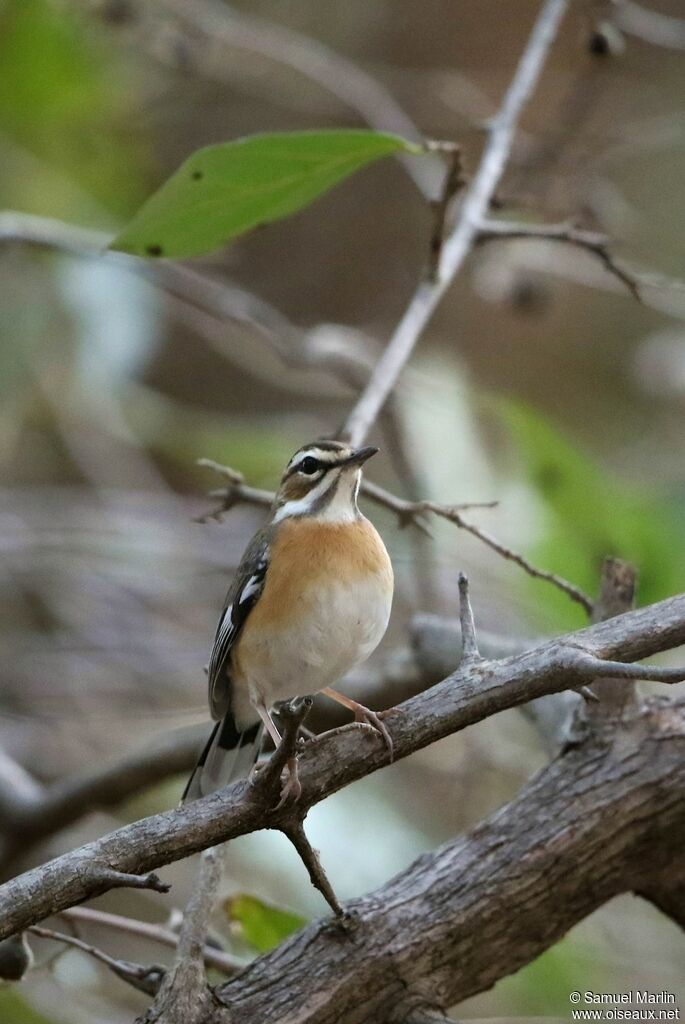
(310, 601)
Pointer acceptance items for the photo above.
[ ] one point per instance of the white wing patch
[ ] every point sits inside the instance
(253, 586)
(228, 629)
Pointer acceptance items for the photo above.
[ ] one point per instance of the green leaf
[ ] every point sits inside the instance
(222, 191)
(261, 925)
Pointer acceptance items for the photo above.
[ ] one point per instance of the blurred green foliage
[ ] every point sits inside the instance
(591, 514)
(261, 925)
(181, 434)
(65, 117)
(13, 1009)
(542, 987)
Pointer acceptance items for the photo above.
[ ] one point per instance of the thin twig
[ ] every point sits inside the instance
(650, 26)
(310, 858)
(453, 516)
(592, 241)
(460, 241)
(109, 878)
(407, 512)
(588, 666)
(454, 181)
(145, 979)
(216, 958)
(469, 643)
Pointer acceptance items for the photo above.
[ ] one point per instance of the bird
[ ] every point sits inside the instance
(310, 601)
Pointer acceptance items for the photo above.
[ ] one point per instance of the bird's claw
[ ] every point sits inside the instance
(375, 719)
(292, 787)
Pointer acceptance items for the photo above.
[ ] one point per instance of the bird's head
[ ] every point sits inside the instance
(322, 480)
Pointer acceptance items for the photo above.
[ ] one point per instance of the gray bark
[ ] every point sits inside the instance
(334, 760)
(597, 822)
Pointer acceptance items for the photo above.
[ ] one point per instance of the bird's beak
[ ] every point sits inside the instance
(359, 457)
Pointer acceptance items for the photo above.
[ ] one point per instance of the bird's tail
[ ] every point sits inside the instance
(228, 755)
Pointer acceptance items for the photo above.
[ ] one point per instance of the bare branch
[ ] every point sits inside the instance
(310, 858)
(19, 791)
(592, 241)
(408, 512)
(460, 241)
(590, 667)
(450, 513)
(216, 958)
(614, 699)
(37, 812)
(145, 979)
(469, 644)
(105, 878)
(47, 232)
(454, 181)
(334, 760)
(651, 26)
(519, 881)
(182, 994)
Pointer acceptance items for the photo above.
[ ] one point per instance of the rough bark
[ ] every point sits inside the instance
(334, 760)
(597, 822)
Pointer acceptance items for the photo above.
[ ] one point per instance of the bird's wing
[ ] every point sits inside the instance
(241, 598)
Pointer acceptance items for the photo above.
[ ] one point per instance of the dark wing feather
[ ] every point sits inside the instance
(241, 598)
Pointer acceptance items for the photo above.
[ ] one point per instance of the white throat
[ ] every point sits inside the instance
(340, 507)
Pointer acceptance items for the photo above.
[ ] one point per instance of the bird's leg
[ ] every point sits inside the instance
(291, 788)
(363, 714)
(269, 723)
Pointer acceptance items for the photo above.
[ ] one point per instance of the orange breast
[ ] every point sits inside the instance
(305, 553)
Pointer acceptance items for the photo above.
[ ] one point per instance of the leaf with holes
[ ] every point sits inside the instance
(261, 925)
(222, 191)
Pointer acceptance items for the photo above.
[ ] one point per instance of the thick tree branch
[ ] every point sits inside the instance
(459, 242)
(336, 759)
(31, 814)
(182, 993)
(587, 828)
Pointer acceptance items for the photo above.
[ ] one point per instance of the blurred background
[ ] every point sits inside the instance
(540, 383)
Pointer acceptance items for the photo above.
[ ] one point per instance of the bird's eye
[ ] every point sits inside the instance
(308, 465)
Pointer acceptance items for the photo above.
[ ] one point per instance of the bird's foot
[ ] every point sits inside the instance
(375, 719)
(292, 787)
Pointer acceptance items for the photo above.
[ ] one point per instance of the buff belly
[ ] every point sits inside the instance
(339, 630)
